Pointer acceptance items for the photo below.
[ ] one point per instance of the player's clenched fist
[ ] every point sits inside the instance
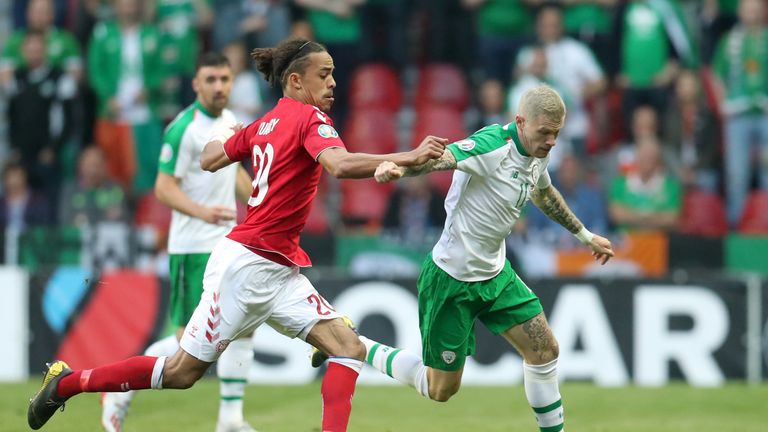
(431, 147)
(388, 171)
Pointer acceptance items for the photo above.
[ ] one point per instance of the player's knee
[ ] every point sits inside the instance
(352, 348)
(442, 393)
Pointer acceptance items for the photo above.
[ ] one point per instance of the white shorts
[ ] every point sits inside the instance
(241, 291)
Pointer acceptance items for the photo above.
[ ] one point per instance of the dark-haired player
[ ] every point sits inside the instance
(253, 275)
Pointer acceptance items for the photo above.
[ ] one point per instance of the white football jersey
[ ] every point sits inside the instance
(493, 180)
(183, 142)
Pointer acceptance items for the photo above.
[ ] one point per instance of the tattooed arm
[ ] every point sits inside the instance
(553, 205)
(388, 171)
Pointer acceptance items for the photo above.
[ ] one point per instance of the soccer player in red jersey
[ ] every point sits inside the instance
(253, 275)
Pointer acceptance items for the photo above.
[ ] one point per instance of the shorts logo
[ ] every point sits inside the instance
(465, 144)
(222, 345)
(327, 131)
(166, 153)
(448, 356)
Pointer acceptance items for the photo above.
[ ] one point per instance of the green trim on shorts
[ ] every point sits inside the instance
(186, 274)
(449, 307)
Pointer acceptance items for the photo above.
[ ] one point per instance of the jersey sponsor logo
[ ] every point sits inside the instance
(466, 144)
(166, 153)
(267, 127)
(448, 356)
(327, 131)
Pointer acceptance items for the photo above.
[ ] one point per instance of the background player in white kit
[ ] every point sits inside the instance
(467, 276)
(204, 211)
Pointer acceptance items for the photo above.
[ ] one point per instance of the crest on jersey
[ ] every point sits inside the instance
(327, 131)
(535, 173)
(166, 153)
(448, 356)
(465, 144)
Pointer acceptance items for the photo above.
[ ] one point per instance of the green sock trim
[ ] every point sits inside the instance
(557, 428)
(549, 407)
(231, 398)
(234, 380)
(372, 353)
(389, 361)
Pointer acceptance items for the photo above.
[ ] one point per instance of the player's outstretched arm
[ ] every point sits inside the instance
(389, 171)
(552, 204)
(343, 164)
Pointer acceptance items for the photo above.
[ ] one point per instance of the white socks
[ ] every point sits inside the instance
(232, 369)
(401, 365)
(542, 391)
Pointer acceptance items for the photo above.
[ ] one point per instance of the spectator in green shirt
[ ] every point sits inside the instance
(62, 48)
(648, 197)
(503, 27)
(590, 22)
(741, 67)
(126, 72)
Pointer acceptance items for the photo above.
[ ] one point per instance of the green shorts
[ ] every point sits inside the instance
(187, 272)
(448, 308)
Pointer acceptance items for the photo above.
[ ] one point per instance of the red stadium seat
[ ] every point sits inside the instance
(439, 121)
(703, 214)
(754, 217)
(371, 131)
(151, 212)
(442, 84)
(364, 202)
(317, 222)
(375, 86)
(442, 122)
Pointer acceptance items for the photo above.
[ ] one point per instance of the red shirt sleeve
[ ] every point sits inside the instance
(238, 147)
(320, 134)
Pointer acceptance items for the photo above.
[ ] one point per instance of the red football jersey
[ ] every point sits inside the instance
(284, 144)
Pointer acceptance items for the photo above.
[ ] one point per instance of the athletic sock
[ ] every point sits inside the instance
(542, 391)
(402, 365)
(165, 347)
(232, 368)
(135, 373)
(337, 391)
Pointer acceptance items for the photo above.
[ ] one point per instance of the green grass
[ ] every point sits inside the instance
(677, 408)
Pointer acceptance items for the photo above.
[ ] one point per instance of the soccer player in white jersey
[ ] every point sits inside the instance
(204, 212)
(467, 276)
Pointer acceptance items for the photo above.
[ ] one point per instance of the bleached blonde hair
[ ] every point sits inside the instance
(542, 100)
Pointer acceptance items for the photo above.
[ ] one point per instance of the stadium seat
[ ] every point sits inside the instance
(317, 222)
(375, 86)
(754, 216)
(150, 211)
(442, 84)
(371, 131)
(703, 214)
(439, 121)
(364, 202)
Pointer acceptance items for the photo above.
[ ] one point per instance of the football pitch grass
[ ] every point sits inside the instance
(678, 407)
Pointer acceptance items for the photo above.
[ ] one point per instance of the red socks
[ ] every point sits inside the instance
(337, 390)
(134, 373)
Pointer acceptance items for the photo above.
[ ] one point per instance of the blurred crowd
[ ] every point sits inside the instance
(667, 124)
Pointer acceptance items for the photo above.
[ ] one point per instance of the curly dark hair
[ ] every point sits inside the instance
(290, 56)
